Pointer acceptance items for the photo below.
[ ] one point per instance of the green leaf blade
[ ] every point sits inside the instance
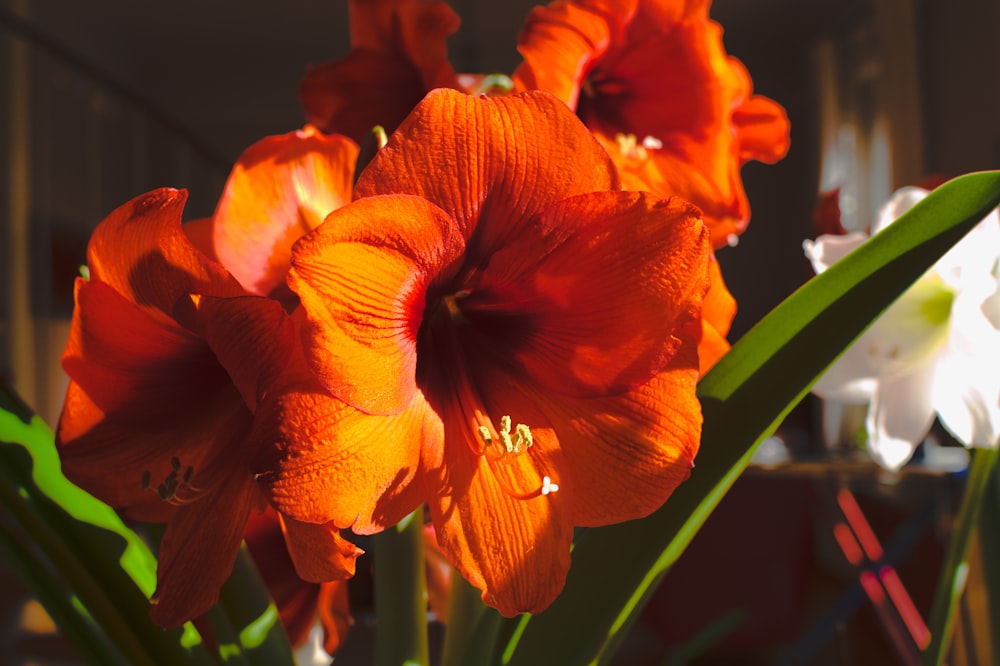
(744, 397)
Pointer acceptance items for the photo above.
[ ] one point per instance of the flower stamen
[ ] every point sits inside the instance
(521, 441)
(178, 479)
(499, 449)
(633, 149)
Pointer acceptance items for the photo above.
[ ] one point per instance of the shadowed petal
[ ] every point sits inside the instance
(601, 327)
(319, 552)
(399, 52)
(131, 376)
(252, 338)
(143, 253)
(334, 614)
(626, 454)
(199, 548)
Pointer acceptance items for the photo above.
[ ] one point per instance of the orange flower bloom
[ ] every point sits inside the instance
(168, 357)
(511, 340)
(398, 53)
(653, 82)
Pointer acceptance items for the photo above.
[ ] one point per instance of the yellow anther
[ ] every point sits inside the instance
(520, 440)
(631, 148)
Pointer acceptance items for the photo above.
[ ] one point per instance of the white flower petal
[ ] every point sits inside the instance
(912, 331)
(967, 385)
(973, 259)
(828, 249)
(850, 379)
(991, 306)
(900, 415)
(967, 400)
(902, 200)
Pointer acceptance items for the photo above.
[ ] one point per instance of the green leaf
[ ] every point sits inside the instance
(745, 396)
(107, 570)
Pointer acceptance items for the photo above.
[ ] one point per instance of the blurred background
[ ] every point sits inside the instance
(105, 99)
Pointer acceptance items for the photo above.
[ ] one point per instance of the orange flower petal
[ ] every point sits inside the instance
(361, 278)
(342, 97)
(142, 252)
(198, 550)
(413, 28)
(334, 614)
(717, 312)
(131, 375)
(200, 233)
(602, 326)
(340, 465)
(252, 338)
(495, 162)
(625, 454)
(559, 44)
(515, 550)
(762, 126)
(399, 52)
(319, 552)
(424, 28)
(280, 189)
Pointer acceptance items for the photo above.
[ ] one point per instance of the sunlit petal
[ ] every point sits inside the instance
(362, 323)
(281, 188)
(900, 415)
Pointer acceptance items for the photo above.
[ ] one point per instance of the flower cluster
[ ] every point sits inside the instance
(501, 317)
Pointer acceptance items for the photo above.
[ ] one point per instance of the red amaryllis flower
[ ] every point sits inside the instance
(652, 80)
(510, 339)
(398, 53)
(167, 358)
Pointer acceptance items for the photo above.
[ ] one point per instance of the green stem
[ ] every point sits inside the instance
(989, 543)
(465, 608)
(250, 609)
(953, 574)
(401, 594)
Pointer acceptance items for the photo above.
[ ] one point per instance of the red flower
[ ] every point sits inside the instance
(509, 338)
(168, 357)
(651, 79)
(398, 53)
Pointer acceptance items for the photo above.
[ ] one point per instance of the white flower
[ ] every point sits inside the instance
(935, 351)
